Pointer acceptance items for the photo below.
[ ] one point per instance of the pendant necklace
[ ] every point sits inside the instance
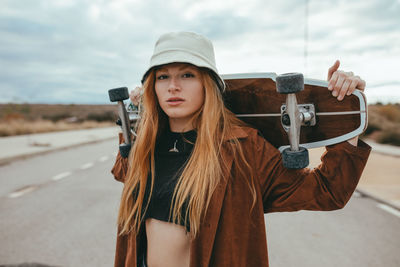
(174, 149)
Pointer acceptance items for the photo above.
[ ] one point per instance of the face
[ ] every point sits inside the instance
(180, 93)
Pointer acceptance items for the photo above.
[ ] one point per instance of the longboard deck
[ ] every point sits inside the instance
(254, 99)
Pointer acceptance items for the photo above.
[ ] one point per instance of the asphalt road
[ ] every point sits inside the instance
(60, 209)
(69, 216)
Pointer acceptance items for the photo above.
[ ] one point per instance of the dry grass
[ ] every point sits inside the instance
(384, 124)
(390, 112)
(20, 126)
(17, 119)
(55, 112)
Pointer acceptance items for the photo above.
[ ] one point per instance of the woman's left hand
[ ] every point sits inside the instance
(343, 83)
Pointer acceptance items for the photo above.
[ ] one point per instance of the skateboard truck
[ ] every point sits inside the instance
(293, 116)
(119, 95)
(307, 116)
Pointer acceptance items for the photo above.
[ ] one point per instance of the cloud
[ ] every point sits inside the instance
(72, 51)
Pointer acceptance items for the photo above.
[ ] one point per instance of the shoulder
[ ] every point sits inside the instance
(252, 141)
(244, 132)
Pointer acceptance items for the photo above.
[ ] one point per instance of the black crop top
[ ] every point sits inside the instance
(171, 155)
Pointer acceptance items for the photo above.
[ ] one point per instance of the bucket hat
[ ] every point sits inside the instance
(185, 47)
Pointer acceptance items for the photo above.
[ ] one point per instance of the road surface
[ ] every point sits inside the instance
(60, 209)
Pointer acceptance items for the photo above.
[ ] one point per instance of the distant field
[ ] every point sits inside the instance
(17, 119)
(384, 124)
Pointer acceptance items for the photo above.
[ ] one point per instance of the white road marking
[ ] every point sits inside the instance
(22, 191)
(87, 166)
(389, 209)
(61, 176)
(104, 158)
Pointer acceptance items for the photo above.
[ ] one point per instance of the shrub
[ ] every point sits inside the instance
(390, 112)
(25, 108)
(391, 137)
(57, 117)
(13, 116)
(100, 117)
(372, 127)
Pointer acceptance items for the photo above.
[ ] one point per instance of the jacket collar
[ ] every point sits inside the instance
(237, 133)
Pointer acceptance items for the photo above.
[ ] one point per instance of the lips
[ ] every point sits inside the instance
(175, 99)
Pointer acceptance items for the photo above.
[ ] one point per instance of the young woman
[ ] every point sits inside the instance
(198, 181)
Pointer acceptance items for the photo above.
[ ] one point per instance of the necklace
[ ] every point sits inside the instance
(174, 149)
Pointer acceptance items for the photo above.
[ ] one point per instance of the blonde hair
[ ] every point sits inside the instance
(203, 171)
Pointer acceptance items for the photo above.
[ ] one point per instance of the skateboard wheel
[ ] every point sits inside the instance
(289, 83)
(124, 150)
(295, 159)
(118, 94)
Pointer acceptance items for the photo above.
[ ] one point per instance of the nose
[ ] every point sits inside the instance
(173, 85)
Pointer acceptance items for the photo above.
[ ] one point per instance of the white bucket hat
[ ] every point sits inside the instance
(185, 47)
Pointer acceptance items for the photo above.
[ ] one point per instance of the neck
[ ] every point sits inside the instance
(178, 126)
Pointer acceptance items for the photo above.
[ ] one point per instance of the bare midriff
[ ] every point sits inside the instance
(168, 244)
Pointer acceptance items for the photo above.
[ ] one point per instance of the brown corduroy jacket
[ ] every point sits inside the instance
(231, 233)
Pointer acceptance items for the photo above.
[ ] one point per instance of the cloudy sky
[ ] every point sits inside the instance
(73, 51)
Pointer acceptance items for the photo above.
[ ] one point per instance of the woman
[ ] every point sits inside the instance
(198, 181)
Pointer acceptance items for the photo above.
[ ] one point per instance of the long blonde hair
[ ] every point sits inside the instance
(203, 171)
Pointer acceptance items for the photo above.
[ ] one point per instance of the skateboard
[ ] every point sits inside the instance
(292, 113)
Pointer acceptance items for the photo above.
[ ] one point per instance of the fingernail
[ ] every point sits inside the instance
(330, 87)
(334, 93)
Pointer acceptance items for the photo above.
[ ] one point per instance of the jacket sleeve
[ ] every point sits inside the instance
(120, 167)
(327, 187)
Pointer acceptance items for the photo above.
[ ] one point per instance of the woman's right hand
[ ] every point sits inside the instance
(135, 95)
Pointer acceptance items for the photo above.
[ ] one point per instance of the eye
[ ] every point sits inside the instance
(162, 77)
(188, 75)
